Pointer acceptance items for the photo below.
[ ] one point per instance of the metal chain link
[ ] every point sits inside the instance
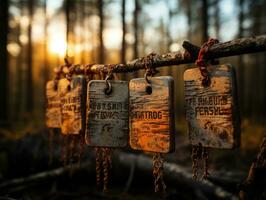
(106, 167)
(98, 155)
(197, 157)
(158, 162)
(205, 157)
(194, 158)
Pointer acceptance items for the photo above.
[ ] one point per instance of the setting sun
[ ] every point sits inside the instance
(57, 45)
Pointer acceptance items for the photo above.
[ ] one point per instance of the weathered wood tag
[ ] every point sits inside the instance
(152, 115)
(212, 111)
(53, 106)
(107, 115)
(73, 104)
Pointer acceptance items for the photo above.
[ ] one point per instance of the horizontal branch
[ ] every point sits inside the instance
(189, 55)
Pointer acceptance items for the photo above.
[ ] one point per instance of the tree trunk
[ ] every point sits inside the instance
(205, 22)
(241, 73)
(136, 34)
(123, 15)
(101, 56)
(217, 19)
(29, 86)
(67, 15)
(45, 50)
(136, 29)
(19, 75)
(189, 19)
(3, 62)
(82, 6)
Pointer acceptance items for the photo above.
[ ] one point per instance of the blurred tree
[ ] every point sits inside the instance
(241, 73)
(217, 18)
(257, 79)
(67, 14)
(124, 30)
(45, 50)
(101, 52)
(3, 61)
(136, 29)
(205, 23)
(19, 72)
(189, 18)
(29, 86)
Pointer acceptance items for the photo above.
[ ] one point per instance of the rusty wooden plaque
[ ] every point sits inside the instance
(107, 115)
(53, 106)
(73, 105)
(152, 115)
(212, 111)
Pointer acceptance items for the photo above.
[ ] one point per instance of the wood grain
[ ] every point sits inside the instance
(53, 106)
(152, 115)
(212, 112)
(107, 121)
(72, 98)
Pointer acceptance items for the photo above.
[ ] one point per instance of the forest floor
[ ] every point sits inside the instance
(27, 155)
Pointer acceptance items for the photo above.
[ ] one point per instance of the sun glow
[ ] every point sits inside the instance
(57, 45)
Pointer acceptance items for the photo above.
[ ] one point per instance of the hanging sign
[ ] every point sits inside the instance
(72, 97)
(152, 114)
(212, 111)
(107, 113)
(53, 106)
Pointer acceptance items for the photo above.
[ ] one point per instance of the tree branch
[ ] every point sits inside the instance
(230, 48)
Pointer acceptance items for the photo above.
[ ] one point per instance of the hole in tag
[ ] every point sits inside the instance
(148, 89)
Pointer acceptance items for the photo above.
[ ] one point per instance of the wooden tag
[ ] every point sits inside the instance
(107, 121)
(73, 97)
(212, 111)
(53, 106)
(152, 115)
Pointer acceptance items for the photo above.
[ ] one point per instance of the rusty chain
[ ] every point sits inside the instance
(98, 165)
(194, 158)
(158, 162)
(200, 157)
(106, 167)
(202, 63)
(205, 157)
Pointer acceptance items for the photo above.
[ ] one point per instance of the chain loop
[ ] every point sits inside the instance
(202, 63)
